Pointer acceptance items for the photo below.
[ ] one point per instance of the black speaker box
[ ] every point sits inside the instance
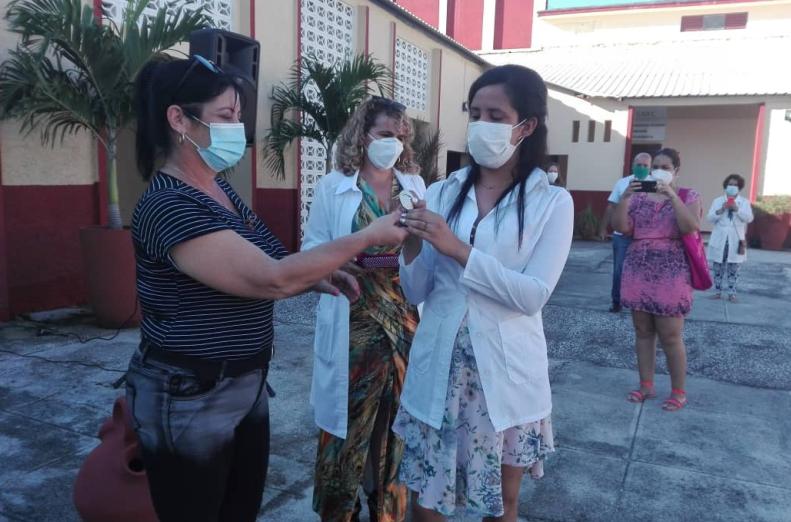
(238, 55)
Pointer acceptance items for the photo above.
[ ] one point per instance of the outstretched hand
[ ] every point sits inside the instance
(340, 282)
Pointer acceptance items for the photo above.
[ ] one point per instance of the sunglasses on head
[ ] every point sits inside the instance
(197, 60)
(388, 103)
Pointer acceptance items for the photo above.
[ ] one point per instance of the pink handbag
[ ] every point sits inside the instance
(696, 255)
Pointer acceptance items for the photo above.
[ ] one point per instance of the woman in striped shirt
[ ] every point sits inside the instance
(208, 271)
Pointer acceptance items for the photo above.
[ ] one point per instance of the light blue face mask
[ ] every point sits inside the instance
(226, 146)
(732, 190)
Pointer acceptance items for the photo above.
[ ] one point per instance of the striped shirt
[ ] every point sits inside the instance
(180, 313)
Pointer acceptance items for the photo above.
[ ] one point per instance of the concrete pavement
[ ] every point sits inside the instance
(727, 456)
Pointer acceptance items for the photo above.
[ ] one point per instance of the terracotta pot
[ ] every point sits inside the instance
(109, 260)
(112, 484)
(773, 231)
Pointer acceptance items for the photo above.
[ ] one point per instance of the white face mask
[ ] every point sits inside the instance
(552, 176)
(383, 153)
(490, 143)
(662, 175)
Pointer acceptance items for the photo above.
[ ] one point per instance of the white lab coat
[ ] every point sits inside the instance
(502, 291)
(728, 230)
(335, 202)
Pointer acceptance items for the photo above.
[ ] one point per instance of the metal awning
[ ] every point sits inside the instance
(738, 66)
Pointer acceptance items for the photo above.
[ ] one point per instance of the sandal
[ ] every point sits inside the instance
(676, 401)
(638, 396)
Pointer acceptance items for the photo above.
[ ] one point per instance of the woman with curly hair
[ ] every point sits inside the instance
(361, 347)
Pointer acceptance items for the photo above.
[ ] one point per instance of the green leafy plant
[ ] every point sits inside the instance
(586, 223)
(427, 144)
(773, 205)
(339, 89)
(69, 73)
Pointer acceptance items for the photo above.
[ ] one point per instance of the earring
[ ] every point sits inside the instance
(181, 138)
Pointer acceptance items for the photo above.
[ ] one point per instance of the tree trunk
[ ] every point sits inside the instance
(113, 208)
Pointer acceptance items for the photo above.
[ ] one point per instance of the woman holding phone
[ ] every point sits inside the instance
(656, 283)
(730, 214)
(362, 347)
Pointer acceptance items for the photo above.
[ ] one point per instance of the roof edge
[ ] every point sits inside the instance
(419, 23)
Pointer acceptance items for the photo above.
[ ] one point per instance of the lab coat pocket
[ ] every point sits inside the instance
(524, 351)
(324, 343)
(427, 337)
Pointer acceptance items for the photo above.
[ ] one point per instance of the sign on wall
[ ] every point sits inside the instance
(649, 124)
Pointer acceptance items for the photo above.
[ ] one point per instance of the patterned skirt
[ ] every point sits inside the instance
(459, 465)
(656, 278)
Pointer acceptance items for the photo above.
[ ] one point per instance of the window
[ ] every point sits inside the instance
(575, 131)
(714, 22)
(607, 130)
(591, 131)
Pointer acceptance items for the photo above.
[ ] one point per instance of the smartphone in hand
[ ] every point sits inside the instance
(647, 186)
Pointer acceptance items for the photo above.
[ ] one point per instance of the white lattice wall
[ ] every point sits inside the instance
(327, 32)
(411, 73)
(219, 11)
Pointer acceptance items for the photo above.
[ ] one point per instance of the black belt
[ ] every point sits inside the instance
(207, 369)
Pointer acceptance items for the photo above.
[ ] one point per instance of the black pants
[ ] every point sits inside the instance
(205, 445)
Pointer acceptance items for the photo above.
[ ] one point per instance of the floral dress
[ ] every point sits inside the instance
(656, 277)
(459, 465)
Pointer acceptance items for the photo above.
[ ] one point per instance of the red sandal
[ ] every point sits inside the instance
(637, 396)
(675, 403)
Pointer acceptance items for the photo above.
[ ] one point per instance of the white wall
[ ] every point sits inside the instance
(713, 142)
(777, 150)
(591, 166)
(637, 25)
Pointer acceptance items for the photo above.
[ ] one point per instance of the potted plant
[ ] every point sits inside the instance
(317, 103)
(71, 72)
(772, 221)
(586, 224)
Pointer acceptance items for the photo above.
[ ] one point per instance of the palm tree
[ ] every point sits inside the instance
(70, 74)
(427, 144)
(318, 101)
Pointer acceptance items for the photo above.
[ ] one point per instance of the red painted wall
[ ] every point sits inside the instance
(513, 24)
(428, 10)
(597, 199)
(465, 22)
(278, 208)
(44, 262)
(5, 307)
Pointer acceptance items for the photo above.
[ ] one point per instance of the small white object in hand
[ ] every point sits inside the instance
(407, 200)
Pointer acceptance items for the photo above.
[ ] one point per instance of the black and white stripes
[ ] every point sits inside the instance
(180, 313)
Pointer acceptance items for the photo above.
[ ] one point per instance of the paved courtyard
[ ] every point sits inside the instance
(727, 456)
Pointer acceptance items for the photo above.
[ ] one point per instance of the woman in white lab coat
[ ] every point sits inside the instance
(730, 214)
(362, 347)
(475, 410)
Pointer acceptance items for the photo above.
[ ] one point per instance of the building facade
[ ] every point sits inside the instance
(48, 194)
(625, 76)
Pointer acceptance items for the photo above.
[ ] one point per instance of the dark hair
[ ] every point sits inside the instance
(673, 154)
(528, 95)
(739, 181)
(163, 82)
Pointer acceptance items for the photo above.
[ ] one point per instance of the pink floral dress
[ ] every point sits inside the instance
(655, 272)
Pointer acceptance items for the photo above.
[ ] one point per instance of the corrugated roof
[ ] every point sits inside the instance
(745, 66)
